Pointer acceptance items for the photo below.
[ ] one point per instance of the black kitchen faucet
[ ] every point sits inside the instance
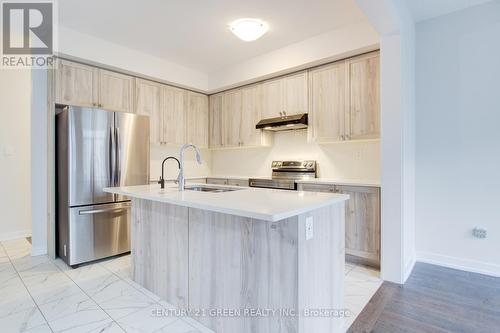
(162, 178)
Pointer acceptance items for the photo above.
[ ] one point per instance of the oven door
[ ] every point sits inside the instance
(281, 184)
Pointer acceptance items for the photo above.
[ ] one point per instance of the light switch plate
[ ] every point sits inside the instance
(309, 228)
(8, 150)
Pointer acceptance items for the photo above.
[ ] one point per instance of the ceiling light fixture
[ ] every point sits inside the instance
(248, 29)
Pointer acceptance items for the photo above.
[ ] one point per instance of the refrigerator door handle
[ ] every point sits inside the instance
(117, 158)
(112, 156)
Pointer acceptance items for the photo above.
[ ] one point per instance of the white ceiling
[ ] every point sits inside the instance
(427, 9)
(194, 33)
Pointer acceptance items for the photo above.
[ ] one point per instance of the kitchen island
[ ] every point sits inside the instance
(243, 260)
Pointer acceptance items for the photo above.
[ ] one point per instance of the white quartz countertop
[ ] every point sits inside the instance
(346, 182)
(262, 204)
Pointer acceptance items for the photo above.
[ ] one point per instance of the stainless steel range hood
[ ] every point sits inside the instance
(286, 123)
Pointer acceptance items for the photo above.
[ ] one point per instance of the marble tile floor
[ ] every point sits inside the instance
(39, 295)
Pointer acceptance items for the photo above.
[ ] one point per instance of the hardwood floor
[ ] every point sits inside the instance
(434, 299)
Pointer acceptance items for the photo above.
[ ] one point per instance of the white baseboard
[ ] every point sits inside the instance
(459, 263)
(409, 269)
(15, 234)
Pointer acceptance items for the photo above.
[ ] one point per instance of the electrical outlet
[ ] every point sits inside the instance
(358, 155)
(479, 233)
(309, 228)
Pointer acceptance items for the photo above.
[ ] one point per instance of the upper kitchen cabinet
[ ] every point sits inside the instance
(272, 98)
(251, 113)
(295, 93)
(147, 102)
(232, 102)
(233, 116)
(174, 111)
(197, 119)
(285, 96)
(345, 100)
(76, 84)
(116, 91)
(88, 86)
(363, 118)
(215, 121)
(328, 102)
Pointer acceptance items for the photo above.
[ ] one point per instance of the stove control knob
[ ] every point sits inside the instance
(274, 164)
(310, 164)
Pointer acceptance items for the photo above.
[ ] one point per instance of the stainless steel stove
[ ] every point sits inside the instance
(285, 173)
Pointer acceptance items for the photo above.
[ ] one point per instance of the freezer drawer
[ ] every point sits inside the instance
(96, 232)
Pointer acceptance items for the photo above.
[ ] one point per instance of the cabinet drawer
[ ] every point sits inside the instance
(196, 181)
(237, 182)
(217, 181)
(317, 188)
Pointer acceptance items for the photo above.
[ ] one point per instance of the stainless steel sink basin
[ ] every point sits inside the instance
(210, 189)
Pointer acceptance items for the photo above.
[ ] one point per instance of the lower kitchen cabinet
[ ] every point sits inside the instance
(225, 181)
(217, 181)
(362, 217)
(237, 182)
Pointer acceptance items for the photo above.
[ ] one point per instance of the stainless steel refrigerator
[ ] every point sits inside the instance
(97, 149)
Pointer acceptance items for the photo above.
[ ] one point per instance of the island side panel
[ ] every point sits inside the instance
(159, 246)
(321, 268)
(238, 263)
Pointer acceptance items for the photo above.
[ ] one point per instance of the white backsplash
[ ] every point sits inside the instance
(347, 160)
(193, 169)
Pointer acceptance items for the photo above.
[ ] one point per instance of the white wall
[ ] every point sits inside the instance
(458, 139)
(338, 160)
(340, 43)
(39, 166)
(15, 151)
(91, 49)
(394, 23)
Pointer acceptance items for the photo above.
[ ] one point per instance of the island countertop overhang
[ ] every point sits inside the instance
(262, 204)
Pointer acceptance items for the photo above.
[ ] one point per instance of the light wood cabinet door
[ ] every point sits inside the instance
(76, 84)
(362, 219)
(363, 118)
(217, 181)
(328, 102)
(231, 121)
(174, 111)
(197, 119)
(116, 91)
(237, 182)
(317, 188)
(147, 102)
(250, 115)
(295, 93)
(272, 98)
(362, 222)
(215, 121)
